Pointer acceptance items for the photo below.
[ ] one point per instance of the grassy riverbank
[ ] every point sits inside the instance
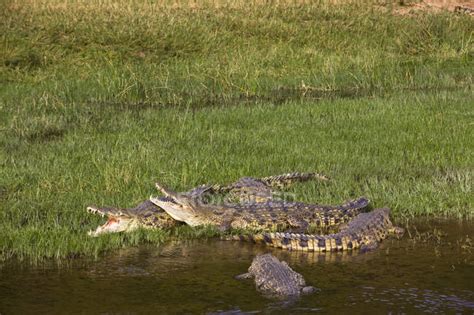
(99, 100)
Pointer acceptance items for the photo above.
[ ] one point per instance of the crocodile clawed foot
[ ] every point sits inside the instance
(399, 232)
(368, 247)
(223, 227)
(244, 276)
(309, 290)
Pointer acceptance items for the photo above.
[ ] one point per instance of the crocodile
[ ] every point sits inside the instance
(250, 189)
(365, 231)
(269, 215)
(146, 214)
(464, 10)
(275, 278)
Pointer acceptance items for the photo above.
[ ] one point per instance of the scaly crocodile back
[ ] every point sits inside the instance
(275, 278)
(246, 189)
(249, 189)
(285, 180)
(278, 215)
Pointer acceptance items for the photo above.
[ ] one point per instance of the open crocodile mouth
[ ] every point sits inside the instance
(116, 221)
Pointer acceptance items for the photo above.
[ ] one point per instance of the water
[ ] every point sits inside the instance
(431, 272)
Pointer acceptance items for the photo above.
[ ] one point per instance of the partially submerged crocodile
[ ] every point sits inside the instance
(269, 215)
(148, 215)
(276, 279)
(365, 231)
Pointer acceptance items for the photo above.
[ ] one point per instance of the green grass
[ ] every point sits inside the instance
(98, 101)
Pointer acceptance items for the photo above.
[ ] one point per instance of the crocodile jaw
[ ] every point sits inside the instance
(113, 224)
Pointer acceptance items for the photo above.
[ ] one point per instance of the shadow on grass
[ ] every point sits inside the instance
(278, 96)
(46, 134)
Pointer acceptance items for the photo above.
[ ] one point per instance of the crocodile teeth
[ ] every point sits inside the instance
(94, 210)
(91, 209)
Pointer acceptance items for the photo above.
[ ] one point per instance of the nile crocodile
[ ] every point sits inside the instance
(276, 279)
(147, 214)
(249, 189)
(365, 231)
(268, 215)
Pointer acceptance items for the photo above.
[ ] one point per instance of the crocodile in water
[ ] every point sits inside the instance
(275, 278)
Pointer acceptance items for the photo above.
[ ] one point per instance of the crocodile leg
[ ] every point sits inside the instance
(297, 224)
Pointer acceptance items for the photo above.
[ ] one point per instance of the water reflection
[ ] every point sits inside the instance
(428, 273)
(424, 300)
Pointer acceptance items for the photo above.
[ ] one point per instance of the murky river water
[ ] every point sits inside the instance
(431, 272)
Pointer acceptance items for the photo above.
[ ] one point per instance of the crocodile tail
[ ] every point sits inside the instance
(278, 240)
(310, 242)
(301, 242)
(343, 213)
(285, 180)
(289, 241)
(356, 204)
(253, 238)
